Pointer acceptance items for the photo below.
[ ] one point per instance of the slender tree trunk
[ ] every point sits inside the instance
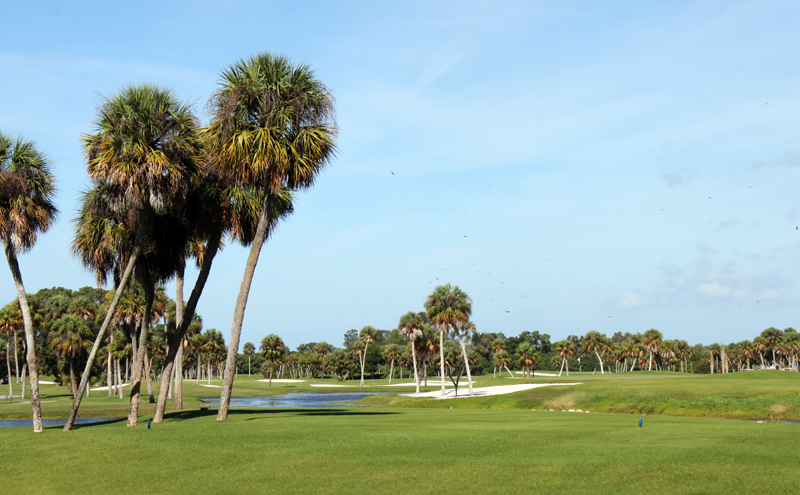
(109, 373)
(248, 366)
(8, 368)
(30, 338)
(391, 372)
(632, 365)
(16, 361)
(72, 376)
(24, 368)
(183, 320)
(241, 303)
(601, 362)
(511, 375)
(441, 357)
(466, 362)
(141, 229)
(562, 366)
(414, 358)
(138, 364)
(149, 380)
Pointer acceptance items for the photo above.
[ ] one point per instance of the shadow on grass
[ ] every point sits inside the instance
(265, 413)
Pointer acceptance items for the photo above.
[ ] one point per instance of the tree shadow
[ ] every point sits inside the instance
(267, 412)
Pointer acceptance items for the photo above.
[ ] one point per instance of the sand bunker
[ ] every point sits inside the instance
(463, 390)
(281, 380)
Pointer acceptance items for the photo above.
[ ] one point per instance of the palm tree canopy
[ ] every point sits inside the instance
(26, 193)
(273, 123)
(411, 325)
(448, 306)
(146, 143)
(367, 334)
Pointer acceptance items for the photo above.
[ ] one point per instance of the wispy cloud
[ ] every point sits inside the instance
(789, 159)
(680, 178)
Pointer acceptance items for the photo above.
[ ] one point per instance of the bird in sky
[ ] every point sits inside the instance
(464, 235)
(610, 316)
(392, 172)
(507, 311)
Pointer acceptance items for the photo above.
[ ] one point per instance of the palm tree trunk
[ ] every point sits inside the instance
(138, 364)
(24, 368)
(109, 372)
(414, 358)
(178, 371)
(562, 366)
(270, 375)
(466, 362)
(72, 376)
(248, 366)
(149, 380)
(183, 320)
(16, 361)
(30, 338)
(241, 303)
(138, 242)
(8, 368)
(511, 375)
(391, 372)
(441, 356)
(650, 366)
(601, 362)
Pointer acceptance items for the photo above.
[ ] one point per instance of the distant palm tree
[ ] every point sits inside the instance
(527, 357)
(411, 326)
(448, 306)
(772, 338)
(652, 340)
(565, 349)
(367, 336)
(249, 348)
(502, 360)
(498, 345)
(320, 350)
(391, 353)
(26, 209)
(598, 343)
(272, 127)
(273, 349)
(69, 338)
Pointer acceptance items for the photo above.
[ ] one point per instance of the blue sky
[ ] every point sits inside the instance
(573, 166)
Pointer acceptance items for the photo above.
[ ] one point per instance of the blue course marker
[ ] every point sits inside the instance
(148, 423)
(640, 422)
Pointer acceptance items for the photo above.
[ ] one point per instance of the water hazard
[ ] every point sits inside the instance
(297, 399)
(54, 422)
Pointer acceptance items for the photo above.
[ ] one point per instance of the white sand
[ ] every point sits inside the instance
(539, 373)
(331, 385)
(482, 392)
(212, 386)
(281, 380)
(41, 382)
(106, 388)
(431, 383)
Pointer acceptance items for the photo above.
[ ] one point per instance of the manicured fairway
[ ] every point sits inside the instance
(399, 450)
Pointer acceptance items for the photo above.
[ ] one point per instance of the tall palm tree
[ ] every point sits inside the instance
(249, 349)
(145, 150)
(565, 349)
(772, 337)
(272, 127)
(26, 209)
(320, 350)
(411, 326)
(367, 336)
(448, 307)
(273, 349)
(462, 331)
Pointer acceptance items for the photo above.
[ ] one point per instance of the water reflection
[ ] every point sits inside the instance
(295, 399)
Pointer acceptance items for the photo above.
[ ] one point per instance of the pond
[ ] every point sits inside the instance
(53, 422)
(297, 399)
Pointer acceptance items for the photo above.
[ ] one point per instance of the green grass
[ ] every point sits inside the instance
(390, 451)
(483, 445)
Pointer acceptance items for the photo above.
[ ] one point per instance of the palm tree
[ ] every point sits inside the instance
(598, 343)
(144, 150)
(502, 360)
(272, 127)
(273, 349)
(527, 356)
(411, 326)
(391, 353)
(772, 337)
(498, 345)
(652, 340)
(26, 209)
(69, 338)
(367, 336)
(448, 306)
(464, 330)
(320, 350)
(565, 349)
(249, 348)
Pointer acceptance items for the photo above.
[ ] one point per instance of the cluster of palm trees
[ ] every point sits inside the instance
(166, 189)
